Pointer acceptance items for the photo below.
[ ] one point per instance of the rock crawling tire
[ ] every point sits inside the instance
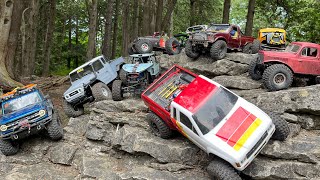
(282, 128)
(219, 169)
(117, 92)
(72, 111)
(131, 49)
(256, 46)
(158, 126)
(101, 91)
(54, 127)
(190, 51)
(254, 72)
(123, 76)
(143, 46)
(218, 50)
(276, 73)
(247, 48)
(8, 147)
(172, 46)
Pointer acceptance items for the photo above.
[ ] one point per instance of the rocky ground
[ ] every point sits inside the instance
(113, 141)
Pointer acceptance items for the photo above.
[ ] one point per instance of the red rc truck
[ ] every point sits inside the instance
(217, 39)
(212, 117)
(300, 59)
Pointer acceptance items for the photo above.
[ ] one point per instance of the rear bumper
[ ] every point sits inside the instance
(21, 132)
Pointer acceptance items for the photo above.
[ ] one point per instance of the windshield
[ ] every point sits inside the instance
(218, 28)
(20, 102)
(214, 110)
(293, 48)
(81, 73)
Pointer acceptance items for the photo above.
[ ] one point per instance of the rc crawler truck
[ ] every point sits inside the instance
(157, 42)
(136, 77)
(277, 69)
(26, 111)
(90, 82)
(212, 117)
(217, 39)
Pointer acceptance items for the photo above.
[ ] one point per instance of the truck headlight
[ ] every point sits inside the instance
(67, 96)
(42, 112)
(3, 127)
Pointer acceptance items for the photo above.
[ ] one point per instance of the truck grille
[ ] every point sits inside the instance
(31, 119)
(200, 37)
(257, 145)
(74, 93)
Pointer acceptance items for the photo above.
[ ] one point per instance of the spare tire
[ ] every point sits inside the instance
(143, 46)
(131, 49)
(172, 46)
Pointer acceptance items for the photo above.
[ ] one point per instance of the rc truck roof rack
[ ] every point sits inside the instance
(17, 91)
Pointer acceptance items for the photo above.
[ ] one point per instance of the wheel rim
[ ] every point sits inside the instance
(105, 92)
(155, 129)
(145, 47)
(174, 46)
(279, 79)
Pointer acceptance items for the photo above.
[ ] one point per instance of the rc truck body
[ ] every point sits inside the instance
(272, 38)
(217, 39)
(277, 69)
(157, 42)
(212, 117)
(89, 82)
(26, 111)
(137, 76)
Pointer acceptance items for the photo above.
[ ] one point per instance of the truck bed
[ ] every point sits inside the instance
(169, 85)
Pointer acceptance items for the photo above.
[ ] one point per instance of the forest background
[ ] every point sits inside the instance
(52, 37)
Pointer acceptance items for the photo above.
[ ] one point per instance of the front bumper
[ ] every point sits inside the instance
(22, 131)
(194, 42)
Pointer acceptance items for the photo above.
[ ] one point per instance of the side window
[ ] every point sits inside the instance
(103, 60)
(311, 52)
(174, 112)
(186, 121)
(97, 65)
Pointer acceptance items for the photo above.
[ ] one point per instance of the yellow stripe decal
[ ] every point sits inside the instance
(247, 134)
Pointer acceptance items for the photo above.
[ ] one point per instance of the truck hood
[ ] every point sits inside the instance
(136, 68)
(7, 118)
(81, 83)
(277, 54)
(240, 130)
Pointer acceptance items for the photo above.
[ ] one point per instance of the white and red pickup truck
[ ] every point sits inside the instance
(212, 117)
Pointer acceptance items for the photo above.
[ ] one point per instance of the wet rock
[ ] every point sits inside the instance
(294, 130)
(237, 82)
(241, 58)
(309, 121)
(100, 130)
(62, 153)
(77, 126)
(127, 105)
(136, 140)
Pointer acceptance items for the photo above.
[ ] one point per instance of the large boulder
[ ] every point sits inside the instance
(237, 82)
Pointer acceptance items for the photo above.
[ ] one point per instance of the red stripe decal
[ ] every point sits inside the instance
(240, 131)
(232, 124)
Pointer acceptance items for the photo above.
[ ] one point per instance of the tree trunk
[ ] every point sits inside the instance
(152, 20)
(92, 6)
(165, 23)
(6, 9)
(77, 41)
(115, 30)
(135, 21)
(146, 18)
(106, 50)
(125, 33)
(226, 11)
(69, 43)
(192, 12)
(48, 38)
(250, 15)
(159, 15)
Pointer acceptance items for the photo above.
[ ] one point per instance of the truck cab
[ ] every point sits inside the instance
(211, 116)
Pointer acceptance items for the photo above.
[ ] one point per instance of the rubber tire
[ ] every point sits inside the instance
(8, 147)
(254, 73)
(123, 76)
(219, 169)
(190, 52)
(282, 128)
(169, 47)
(117, 93)
(131, 49)
(247, 48)
(70, 111)
(97, 92)
(162, 130)
(54, 128)
(256, 46)
(216, 47)
(271, 71)
(140, 50)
